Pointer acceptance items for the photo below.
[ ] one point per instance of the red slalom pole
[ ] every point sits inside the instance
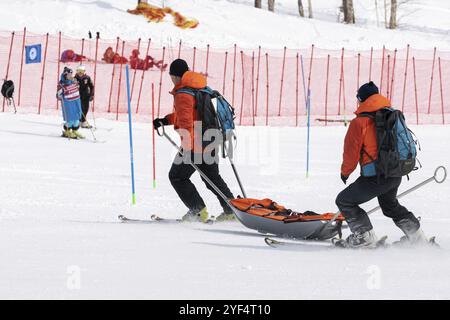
(193, 62)
(160, 81)
(340, 82)
(234, 76)
(253, 87)
(343, 87)
(406, 75)
(59, 66)
(388, 67)
(282, 80)
(442, 90)
(382, 70)
(142, 79)
(225, 72)
(9, 61)
(21, 63)
(135, 70)
(243, 89)
(358, 72)
(431, 81)
(393, 74)
(326, 90)
(112, 78)
(95, 70)
(153, 137)
(267, 89)
(415, 90)
(207, 61)
(257, 81)
(120, 81)
(370, 64)
(82, 46)
(43, 74)
(296, 90)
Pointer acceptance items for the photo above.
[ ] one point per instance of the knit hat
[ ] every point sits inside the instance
(366, 90)
(178, 67)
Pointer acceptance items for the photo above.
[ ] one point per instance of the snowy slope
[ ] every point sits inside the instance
(59, 202)
(424, 23)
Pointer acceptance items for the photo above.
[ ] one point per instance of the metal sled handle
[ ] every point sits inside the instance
(161, 133)
(436, 174)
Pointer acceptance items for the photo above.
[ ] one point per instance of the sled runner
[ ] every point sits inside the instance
(266, 216)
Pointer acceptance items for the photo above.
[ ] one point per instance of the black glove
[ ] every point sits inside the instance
(158, 122)
(344, 178)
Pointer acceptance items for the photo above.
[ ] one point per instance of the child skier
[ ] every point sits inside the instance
(69, 96)
(183, 119)
(86, 88)
(361, 146)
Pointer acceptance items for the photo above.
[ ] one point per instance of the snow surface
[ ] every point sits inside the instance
(226, 22)
(59, 202)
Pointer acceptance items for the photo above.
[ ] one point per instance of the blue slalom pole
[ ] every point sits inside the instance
(308, 114)
(133, 190)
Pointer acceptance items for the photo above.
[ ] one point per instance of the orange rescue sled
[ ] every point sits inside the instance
(266, 216)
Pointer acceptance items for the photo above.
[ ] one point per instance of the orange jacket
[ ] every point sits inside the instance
(361, 135)
(185, 114)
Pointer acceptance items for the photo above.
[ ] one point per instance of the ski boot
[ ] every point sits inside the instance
(356, 240)
(226, 216)
(85, 125)
(66, 133)
(77, 135)
(196, 216)
(416, 238)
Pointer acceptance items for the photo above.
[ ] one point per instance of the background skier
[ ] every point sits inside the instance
(183, 119)
(69, 95)
(86, 88)
(361, 146)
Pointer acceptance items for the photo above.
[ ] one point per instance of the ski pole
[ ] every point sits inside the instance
(230, 146)
(308, 110)
(133, 190)
(237, 178)
(202, 174)
(89, 125)
(435, 178)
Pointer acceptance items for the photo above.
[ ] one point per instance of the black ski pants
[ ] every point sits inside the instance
(84, 108)
(367, 188)
(179, 176)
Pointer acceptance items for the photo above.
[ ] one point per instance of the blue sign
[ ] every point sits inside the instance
(33, 54)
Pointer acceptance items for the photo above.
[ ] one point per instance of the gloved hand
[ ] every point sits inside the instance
(91, 98)
(158, 122)
(344, 178)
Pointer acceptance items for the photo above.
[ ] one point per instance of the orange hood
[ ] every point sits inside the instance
(192, 80)
(373, 103)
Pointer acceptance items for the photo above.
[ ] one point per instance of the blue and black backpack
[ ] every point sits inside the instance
(219, 115)
(396, 146)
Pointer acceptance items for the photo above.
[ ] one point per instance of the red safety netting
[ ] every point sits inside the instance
(266, 87)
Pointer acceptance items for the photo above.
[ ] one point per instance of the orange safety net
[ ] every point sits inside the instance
(157, 14)
(266, 87)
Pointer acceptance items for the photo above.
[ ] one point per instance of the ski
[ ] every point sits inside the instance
(341, 243)
(334, 243)
(156, 219)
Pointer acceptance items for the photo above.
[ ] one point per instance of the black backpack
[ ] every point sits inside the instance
(396, 145)
(8, 89)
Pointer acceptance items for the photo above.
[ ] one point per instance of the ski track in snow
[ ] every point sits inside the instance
(59, 202)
